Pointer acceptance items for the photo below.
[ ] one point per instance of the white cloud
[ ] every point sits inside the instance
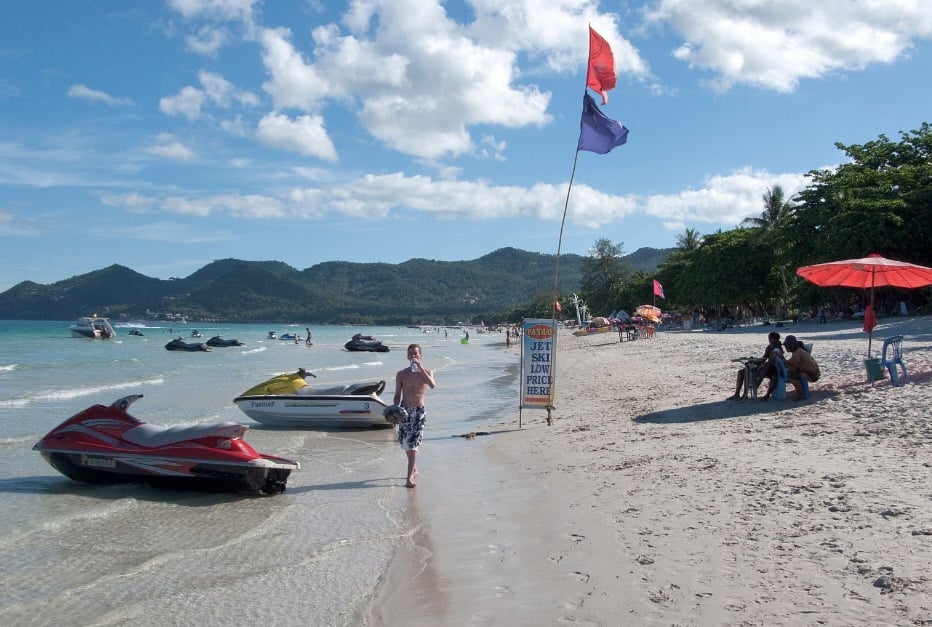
(723, 199)
(776, 44)
(215, 89)
(556, 30)
(164, 232)
(305, 135)
(83, 92)
(133, 201)
(424, 80)
(252, 206)
(170, 148)
(293, 83)
(187, 102)
(225, 10)
(12, 224)
(208, 40)
(421, 80)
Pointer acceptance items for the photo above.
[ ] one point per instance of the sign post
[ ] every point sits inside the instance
(538, 360)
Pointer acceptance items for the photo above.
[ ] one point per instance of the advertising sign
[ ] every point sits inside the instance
(538, 350)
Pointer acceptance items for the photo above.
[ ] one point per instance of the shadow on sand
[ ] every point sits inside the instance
(718, 410)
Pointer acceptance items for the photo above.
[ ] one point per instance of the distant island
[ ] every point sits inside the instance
(418, 291)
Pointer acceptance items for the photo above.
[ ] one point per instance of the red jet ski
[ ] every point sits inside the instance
(108, 445)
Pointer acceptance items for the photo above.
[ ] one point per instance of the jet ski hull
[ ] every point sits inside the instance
(323, 411)
(165, 472)
(288, 401)
(108, 445)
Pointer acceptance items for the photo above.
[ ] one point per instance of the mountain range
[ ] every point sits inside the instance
(413, 292)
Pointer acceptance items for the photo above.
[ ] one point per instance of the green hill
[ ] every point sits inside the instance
(413, 292)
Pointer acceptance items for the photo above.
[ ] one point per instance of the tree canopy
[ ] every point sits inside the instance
(878, 201)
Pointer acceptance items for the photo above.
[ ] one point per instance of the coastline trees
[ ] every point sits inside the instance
(880, 201)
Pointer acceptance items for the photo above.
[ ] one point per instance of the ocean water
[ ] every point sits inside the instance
(79, 554)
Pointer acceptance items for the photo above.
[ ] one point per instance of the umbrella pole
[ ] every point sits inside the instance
(870, 333)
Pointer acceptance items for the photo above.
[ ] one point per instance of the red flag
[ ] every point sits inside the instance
(558, 305)
(870, 320)
(658, 289)
(601, 76)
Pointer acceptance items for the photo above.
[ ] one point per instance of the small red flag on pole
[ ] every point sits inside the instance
(601, 76)
(658, 289)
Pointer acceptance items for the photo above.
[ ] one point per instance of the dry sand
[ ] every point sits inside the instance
(652, 500)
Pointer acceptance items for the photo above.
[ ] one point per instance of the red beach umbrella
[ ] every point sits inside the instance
(867, 273)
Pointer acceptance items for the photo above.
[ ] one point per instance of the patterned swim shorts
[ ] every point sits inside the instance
(411, 430)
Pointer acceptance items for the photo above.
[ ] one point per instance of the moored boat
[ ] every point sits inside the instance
(219, 341)
(179, 344)
(365, 343)
(287, 400)
(92, 327)
(108, 445)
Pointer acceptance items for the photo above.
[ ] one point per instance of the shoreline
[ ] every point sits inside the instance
(653, 500)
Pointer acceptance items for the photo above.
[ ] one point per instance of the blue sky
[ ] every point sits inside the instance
(163, 135)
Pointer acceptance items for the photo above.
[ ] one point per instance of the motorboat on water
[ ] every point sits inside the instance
(179, 344)
(367, 343)
(136, 332)
(219, 341)
(108, 445)
(287, 400)
(92, 327)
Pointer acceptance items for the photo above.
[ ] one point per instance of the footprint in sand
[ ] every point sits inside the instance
(503, 591)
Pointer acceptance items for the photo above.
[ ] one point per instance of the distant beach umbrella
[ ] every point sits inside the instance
(650, 312)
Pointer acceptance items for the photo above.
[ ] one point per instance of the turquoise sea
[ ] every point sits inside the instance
(132, 555)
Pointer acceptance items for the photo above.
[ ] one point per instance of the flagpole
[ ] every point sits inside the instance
(556, 287)
(606, 81)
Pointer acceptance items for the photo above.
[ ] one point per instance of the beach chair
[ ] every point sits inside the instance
(783, 379)
(890, 356)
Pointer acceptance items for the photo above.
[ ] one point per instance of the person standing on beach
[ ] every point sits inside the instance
(411, 385)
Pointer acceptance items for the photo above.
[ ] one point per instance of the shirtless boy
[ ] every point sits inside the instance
(410, 388)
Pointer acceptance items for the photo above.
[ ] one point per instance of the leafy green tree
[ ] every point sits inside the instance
(880, 201)
(730, 268)
(603, 274)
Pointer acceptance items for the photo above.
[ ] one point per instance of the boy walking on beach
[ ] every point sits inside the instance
(411, 385)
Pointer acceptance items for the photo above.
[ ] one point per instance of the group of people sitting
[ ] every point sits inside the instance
(799, 364)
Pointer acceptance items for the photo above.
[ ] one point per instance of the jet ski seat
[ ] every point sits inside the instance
(152, 436)
(350, 389)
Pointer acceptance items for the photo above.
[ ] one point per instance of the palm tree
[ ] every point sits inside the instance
(689, 240)
(775, 215)
(775, 212)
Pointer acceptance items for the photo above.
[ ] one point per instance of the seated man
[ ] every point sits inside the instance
(800, 364)
(765, 370)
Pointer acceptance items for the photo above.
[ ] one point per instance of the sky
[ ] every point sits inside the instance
(166, 134)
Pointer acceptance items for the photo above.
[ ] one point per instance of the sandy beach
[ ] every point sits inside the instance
(653, 500)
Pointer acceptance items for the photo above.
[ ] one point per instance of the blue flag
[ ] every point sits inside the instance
(597, 132)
